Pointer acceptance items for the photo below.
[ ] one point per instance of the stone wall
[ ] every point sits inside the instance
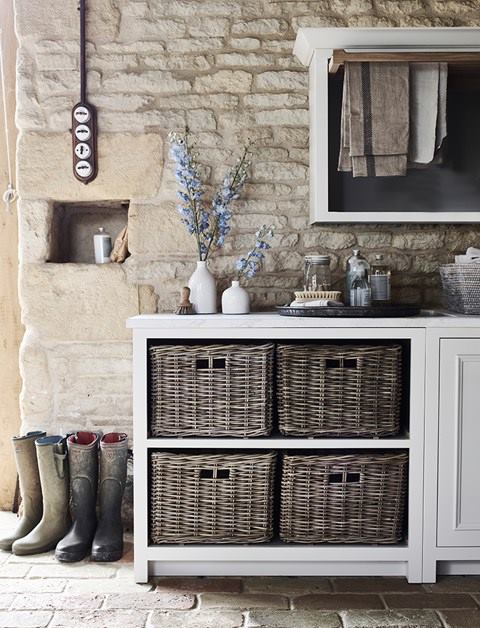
(226, 69)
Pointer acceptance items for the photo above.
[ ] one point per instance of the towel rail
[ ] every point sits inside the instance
(339, 57)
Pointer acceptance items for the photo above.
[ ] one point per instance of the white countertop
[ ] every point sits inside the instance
(272, 320)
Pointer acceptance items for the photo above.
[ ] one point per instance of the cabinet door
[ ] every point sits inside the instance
(459, 443)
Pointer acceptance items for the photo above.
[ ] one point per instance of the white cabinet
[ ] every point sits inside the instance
(459, 443)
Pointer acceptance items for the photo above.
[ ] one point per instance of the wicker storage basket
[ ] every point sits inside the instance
(211, 498)
(461, 287)
(354, 498)
(214, 390)
(330, 390)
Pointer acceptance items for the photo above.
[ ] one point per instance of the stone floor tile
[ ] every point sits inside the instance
(6, 599)
(292, 619)
(391, 619)
(287, 585)
(74, 570)
(197, 619)
(192, 584)
(337, 601)
(376, 584)
(14, 571)
(99, 619)
(461, 619)
(243, 601)
(151, 601)
(27, 585)
(52, 601)
(104, 585)
(429, 600)
(455, 584)
(34, 559)
(24, 619)
(4, 556)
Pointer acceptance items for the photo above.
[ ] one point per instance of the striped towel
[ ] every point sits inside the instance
(375, 119)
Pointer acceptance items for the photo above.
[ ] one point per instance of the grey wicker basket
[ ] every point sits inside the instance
(211, 498)
(214, 390)
(339, 390)
(352, 498)
(461, 287)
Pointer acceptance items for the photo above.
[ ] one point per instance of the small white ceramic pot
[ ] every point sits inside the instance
(235, 300)
(203, 290)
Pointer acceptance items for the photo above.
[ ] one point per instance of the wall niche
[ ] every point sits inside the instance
(75, 224)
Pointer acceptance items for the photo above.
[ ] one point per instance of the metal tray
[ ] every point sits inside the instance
(390, 310)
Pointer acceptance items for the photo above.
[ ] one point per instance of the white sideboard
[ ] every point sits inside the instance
(442, 439)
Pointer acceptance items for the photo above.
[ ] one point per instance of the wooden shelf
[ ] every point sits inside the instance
(279, 442)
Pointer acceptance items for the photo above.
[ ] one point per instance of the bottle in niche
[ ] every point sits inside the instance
(360, 291)
(357, 267)
(102, 244)
(380, 276)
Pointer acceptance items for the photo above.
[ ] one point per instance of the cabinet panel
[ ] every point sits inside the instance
(459, 443)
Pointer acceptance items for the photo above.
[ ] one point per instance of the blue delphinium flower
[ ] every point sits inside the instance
(249, 265)
(210, 226)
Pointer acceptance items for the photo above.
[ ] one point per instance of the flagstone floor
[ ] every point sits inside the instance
(37, 591)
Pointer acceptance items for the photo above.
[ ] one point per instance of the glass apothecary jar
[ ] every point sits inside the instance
(317, 275)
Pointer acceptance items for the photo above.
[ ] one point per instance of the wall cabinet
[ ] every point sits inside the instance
(459, 443)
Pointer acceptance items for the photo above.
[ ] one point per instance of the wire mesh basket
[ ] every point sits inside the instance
(461, 287)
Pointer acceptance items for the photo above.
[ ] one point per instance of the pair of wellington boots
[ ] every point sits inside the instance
(43, 480)
(87, 455)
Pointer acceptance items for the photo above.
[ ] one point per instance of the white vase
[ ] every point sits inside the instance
(235, 300)
(203, 290)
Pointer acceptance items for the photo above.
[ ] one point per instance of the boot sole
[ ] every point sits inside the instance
(70, 557)
(31, 552)
(106, 557)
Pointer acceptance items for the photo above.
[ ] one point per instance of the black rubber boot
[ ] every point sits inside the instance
(108, 542)
(83, 461)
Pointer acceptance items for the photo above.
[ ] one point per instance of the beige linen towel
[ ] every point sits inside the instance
(375, 119)
(428, 110)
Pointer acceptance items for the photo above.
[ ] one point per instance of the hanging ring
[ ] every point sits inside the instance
(10, 195)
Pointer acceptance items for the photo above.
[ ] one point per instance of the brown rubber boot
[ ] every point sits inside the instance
(108, 541)
(30, 491)
(52, 467)
(83, 467)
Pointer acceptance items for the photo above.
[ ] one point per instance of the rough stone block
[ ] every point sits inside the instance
(77, 301)
(149, 81)
(235, 81)
(262, 26)
(282, 80)
(417, 240)
(283, 117)
(329, 239)
(390, 619)
(34, 230)
(209, 27)
(130, 166)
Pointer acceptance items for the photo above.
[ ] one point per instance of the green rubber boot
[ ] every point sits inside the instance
(55, 522)
(30, 491)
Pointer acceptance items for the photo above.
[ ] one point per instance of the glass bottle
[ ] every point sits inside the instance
(357, 266)
(360, 291)
(380, 276)
(317, 275)
(102, 244)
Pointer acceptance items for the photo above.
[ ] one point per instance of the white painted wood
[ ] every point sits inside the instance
(314, 47)
(459, 460)
(279, 442)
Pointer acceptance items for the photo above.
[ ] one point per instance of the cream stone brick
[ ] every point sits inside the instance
(278, 45)
(107, 63)
(36, 398)
(279, 261)
(224, 80)
(399, 7)
(139, 121)
(150, 81)
(209, 27)
(291, 137)
(64, 82)
(56, 62)
(134, 29)
(129, 166)
(29, 114)
(281, 80)
(199, 44)
(374, 240)
(263, 26)
(166, 62)
(68, 301)
(252, 221)
(283, 117)
(121, 102)
(60, 22)
(245, 43)
(34, 230)
(157, 230)
(318, 21)
(191, 101)
(201, 120)
(418, 240)
(352, 7)
(274, 101)
(280, 171)
(329, 239)
(140, 47)
(452, 7)
(193, 8)
(243, 59)
(370, 21)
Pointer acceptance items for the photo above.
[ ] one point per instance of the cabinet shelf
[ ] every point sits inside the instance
(280, 442)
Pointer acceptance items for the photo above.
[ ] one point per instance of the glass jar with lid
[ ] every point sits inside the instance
(317, 276)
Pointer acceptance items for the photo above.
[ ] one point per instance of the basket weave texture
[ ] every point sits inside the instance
(214, 390)
(211, 498)
(461, 287)
(355, 498)
(335, 390)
